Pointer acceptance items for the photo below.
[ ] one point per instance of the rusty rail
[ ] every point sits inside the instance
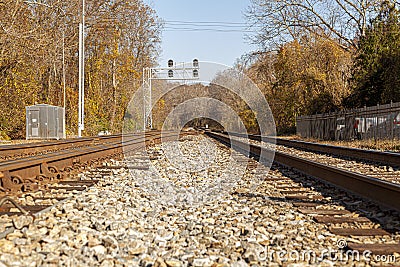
(22, 174)
(379, 191)
(38, 147)
(32, 148)
(390, 158)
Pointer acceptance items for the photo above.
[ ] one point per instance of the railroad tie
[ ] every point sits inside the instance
(303, 197)
(70, 185)
(49, 198)
(68, 188)
(326, 219)
(307, 204)
(276, 179)
(358, 232)
(323, 211)
(377, 249)
(138, 167)
(113, 167)
(287, 187)
(79, 182)
(294, 191)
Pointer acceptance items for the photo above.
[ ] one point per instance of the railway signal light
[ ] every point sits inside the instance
(182, 73)
(195, 63)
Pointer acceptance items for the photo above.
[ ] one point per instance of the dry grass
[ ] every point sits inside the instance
(382, 145)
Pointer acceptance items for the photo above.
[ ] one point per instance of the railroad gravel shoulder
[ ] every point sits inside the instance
(116, 223)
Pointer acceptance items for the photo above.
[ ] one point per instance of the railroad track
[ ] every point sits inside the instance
(377, 164)
(385, 166)
(118, 217)
(34, 184)
(22, 173)
(318, 203)
(10, 152)
(389, 158)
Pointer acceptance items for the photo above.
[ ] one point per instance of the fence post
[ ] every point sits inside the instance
(365, 120)
(391, 121)
(377, 120)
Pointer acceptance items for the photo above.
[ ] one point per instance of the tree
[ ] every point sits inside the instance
(122, 41)
(376, 72)
(280, 21)
(122, 37)
(306, 76)
(18, 29)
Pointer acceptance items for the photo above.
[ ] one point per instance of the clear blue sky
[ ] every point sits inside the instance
(222, 46)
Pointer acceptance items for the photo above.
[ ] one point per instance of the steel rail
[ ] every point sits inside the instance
(376, 190)
(13, 150)
(13, 173)
(389, 158)
(37, 147)
(28, 167)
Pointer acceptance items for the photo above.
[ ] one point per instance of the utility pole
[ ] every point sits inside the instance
(81, 104)
(64, 91)
(174, 72)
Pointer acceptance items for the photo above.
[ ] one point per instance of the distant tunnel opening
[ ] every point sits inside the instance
(204, 123)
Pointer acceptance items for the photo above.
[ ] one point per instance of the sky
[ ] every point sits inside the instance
(182, 40)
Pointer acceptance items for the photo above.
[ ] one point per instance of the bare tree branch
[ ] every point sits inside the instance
(279, 20)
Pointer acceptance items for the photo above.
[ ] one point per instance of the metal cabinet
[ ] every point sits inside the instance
(45, 122)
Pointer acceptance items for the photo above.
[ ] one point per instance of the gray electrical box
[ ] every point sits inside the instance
(45, 122)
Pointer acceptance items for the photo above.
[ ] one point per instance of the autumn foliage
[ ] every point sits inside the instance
(305, 76)
(322, 56)
(121, 37)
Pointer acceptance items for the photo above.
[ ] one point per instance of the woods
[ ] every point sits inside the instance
(376, 69)
(314, 56)
(121, 37)
(323, 56)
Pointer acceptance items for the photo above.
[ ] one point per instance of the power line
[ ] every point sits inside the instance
(206, 25)
(209, 26)
(206, 22)
(204, 29)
